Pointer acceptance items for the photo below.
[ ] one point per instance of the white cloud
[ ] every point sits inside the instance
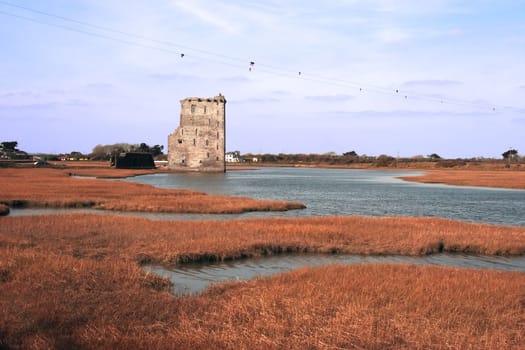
(432, 82)
(392, 35)
(330, 98)
(410, 7)
(208, 16)
(173, 77)
(255, 100)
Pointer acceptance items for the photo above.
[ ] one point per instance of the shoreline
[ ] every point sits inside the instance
(474, 177)
(476, 174)
(84, 188)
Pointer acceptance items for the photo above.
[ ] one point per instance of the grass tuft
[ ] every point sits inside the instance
(4, 209)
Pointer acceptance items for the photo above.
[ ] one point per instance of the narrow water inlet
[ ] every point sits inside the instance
(193, 278)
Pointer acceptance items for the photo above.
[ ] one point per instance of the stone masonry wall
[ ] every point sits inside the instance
(198, 144)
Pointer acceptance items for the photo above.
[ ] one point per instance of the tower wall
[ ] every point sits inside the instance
(198, 144)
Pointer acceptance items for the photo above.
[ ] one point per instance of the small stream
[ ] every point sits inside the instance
(194, 278)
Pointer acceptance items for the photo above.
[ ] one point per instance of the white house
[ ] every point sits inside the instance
(233, 157)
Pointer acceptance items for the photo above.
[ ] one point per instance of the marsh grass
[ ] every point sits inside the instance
(483, 178)
(55, 188)
(4, 209)
(172, 242)
(74, 281)
(62, 302)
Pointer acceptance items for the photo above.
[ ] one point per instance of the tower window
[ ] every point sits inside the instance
(204, 110)
(206, 142)
(208, 154)
(192, 108)
(194, 143)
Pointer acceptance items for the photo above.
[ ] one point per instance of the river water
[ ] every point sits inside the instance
(194, 278)
(341, 192)
(353, 192)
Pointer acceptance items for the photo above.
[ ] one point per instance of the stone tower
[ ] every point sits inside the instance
(198, 144)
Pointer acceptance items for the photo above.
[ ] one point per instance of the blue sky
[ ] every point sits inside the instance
(74, 74)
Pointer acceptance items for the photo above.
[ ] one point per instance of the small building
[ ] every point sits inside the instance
(133, 160)
(233, 157)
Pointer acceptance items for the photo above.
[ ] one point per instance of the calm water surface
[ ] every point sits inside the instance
(354, 192)
(193, 279)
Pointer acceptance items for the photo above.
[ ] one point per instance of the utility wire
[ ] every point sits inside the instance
(167, 47)
(116, 31)
(107, 37)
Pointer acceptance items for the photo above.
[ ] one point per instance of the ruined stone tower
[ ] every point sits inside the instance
(198, 144)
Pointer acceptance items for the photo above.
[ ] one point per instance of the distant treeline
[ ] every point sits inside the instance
(352, 157)
(106, 152)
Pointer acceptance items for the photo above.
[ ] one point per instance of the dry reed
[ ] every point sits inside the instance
(485, 178)
(58, 301)
(56, 188)
(171, 242)
(74, 281)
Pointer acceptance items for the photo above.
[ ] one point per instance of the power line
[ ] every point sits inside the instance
(107, 37)
(167, 47)
(86, 32)
(120, 32)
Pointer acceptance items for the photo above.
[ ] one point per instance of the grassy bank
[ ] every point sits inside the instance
(483, 178)
(168, 242)
(74, 281)
(470, 174)
(56, 188)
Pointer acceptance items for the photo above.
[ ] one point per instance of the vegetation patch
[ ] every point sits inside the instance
(75, 281)
(4, 209)
(56, 188)
(482, 178)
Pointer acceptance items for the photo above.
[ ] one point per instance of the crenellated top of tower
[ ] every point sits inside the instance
(217, 99)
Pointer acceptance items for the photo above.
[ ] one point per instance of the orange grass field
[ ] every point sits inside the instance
(48, 187)
(73, 281)
(484, 178)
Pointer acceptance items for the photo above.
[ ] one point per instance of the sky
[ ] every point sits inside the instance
(402, 78)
